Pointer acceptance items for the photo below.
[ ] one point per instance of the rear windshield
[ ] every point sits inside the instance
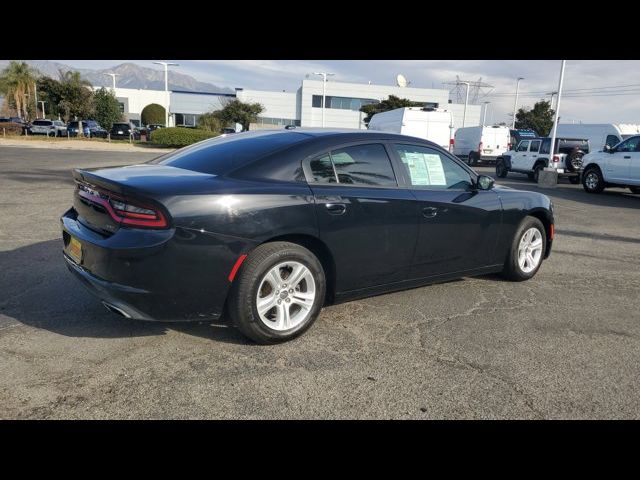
(224, 154)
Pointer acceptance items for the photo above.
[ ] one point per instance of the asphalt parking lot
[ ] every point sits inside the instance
(563, 345)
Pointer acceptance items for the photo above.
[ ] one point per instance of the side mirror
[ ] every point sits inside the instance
(485, 182)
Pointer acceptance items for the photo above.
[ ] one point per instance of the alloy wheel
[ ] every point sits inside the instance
(530, 250)
(286, 295)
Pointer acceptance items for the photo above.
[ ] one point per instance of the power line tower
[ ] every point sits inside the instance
(477, 90)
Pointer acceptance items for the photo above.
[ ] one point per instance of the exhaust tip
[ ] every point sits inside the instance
(114, 309)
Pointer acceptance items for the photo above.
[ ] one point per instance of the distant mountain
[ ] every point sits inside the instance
(131, 76)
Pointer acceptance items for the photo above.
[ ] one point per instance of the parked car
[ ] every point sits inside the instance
(154, 126)
(54, 128)
(90, 128)
(430, 124)
(124, 130)
(617, 166)
(531, 156)
(274, 224)
(600, 134)
(481, 144)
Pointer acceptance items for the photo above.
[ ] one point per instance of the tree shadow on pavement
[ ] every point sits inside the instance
(36, 289)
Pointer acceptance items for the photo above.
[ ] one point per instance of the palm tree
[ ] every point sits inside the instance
(17, 81)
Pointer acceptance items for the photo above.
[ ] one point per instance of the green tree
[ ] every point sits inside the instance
(50, 91)
(236, 111)
(538, 118)
(153, 114)
(210, 122)
(390, 103)
(17, 83)
(77, 96)
(106, 108)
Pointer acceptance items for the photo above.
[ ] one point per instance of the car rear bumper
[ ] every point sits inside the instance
(166, 275)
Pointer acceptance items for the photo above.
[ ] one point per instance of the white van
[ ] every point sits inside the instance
(599, 134)
(475, 144)
(430, 124)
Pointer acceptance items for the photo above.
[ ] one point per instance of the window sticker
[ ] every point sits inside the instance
(434, 167)
(424, 168)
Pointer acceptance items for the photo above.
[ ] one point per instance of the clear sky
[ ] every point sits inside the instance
(606, 91)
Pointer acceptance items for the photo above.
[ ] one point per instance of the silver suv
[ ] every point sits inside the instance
(55, 128)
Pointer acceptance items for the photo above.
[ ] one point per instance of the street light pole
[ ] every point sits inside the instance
(555, 120)
(166, 89)
(515, 102)
(551, 102)
(484, 116)
(113, 78)
(324, 76)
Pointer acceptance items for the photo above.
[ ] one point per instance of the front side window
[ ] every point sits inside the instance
(629, 145)
(524, 145)
(427, 168)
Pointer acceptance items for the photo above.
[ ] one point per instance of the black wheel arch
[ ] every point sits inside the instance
(546, 217)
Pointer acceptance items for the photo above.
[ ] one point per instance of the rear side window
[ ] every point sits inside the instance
(612, 140)
(362, 165)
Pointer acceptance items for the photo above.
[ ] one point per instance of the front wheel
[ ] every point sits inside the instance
(501, 169)
(527, 250)
(592, 180)
(536, 172)
(278, 292)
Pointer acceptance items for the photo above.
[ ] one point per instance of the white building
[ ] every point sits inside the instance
(302, 107)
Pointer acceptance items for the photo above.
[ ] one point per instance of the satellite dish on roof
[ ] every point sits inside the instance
(401, 81)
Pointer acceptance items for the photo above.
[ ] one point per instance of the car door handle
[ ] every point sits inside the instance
(336, 208)
(429, 212)
(627, 156)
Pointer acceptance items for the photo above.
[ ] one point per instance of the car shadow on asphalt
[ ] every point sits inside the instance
(36, 289)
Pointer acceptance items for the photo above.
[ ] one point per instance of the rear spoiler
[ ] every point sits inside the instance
(86, 176)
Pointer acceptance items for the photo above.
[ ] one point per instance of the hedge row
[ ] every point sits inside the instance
(179, 136)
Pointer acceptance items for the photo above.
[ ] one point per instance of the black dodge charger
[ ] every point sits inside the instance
(270, 226)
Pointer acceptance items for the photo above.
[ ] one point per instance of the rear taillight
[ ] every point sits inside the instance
(126, 211)
(556, 159)
(508, 146)
(451, 144)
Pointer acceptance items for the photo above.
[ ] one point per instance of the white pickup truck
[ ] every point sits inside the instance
(617, 166)
(532, 155)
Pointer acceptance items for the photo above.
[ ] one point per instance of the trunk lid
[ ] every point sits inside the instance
(109, 198)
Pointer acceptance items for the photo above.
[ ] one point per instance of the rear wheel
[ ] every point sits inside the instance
(592, 180)
(278, 293)
(501, 169)
(527, 250)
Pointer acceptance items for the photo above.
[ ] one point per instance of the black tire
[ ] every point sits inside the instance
(472, 159)
(592, 180)
(635, 190)
(242, 297)
(512, 270)
(501, 168)
(574, 180)
(536, 172)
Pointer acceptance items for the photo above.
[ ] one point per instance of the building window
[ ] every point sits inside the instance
(341, 103)
(121, 105)
(277, 121)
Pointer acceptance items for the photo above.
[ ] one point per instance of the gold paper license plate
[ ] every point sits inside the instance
(75, 250)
